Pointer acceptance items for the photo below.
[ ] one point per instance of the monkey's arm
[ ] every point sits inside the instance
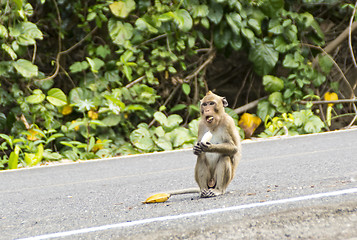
(225, 148)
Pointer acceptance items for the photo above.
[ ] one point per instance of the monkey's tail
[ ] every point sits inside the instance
(184, 191)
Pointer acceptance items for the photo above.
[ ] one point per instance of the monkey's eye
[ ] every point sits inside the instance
(211, 103)
(204, 104)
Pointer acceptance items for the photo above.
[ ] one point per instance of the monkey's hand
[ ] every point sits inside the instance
(197, 149)
(205, 146)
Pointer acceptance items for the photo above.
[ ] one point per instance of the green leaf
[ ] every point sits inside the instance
(183, 20)
(122, 8)
(95, 64)
(57, 97)
(222, 37)
(205, 23)
(215, 12)
(301, 117)
(179, 136)
(9, 51)
(28, 158)
(186, 88)
(78, 66)
(34, 159)
(141, 139)
(290, 62)
(173, 121)
(325, 63)
(36, 98)
(255, 24)
(135, 107)
(7, 139)
(193, 127)
(14, 157)
(275, 27)
(291, 32)
(26, 68)
(111, 120)
(103, 51)
(235, 22)
(159, 131)
(178, 107)
(199, 11)
(91, 16)
(26, 33)
(314, 125)
(161, 118)
(164, 144)
(76, 94)
(281, 45)
(142, 25)
(247, 33)
(272, 7)
(44, 84)
(236, 43)
(265, 109)
(276, 99)
(319, 79)
(120, 32)
(272, 83)
(264, 57)
(3, 32)
(165, 17)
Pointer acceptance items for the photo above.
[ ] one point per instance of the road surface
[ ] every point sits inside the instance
(287, 188)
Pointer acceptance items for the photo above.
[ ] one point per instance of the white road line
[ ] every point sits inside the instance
(187, 215)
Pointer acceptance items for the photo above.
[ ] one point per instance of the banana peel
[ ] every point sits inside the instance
(163, 197)
(157, 198)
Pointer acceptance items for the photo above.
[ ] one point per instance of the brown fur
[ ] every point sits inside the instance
(217, 160)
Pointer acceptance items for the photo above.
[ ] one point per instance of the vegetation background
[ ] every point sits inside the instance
(90, 79)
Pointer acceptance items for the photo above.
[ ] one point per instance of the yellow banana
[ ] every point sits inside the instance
(156, 198)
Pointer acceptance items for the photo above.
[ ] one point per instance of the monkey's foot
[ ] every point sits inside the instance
(207, 193)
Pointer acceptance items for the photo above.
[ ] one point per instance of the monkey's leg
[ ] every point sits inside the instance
(223, 176)
(202, 174)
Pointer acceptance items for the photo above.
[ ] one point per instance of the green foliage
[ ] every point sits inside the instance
(167, 136)
(299, 122)
(85, 81)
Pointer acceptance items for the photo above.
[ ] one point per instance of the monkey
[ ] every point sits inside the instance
(218, 150)
(218, 158)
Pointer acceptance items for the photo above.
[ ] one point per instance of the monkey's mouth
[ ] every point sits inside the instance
(209, 119)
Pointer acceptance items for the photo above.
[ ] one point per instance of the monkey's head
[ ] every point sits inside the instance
(212, 108)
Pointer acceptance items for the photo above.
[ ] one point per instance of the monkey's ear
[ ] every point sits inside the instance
(224, 101)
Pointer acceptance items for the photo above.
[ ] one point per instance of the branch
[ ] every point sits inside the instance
(327, 102)
(336, 65)
(350, 35)
(248, 106)
(332, 45)
(199, 69)
(65, 52)
(166, 102)
(153, 39)
(135, 82)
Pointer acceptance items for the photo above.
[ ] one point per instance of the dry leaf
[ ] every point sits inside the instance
(249, 123)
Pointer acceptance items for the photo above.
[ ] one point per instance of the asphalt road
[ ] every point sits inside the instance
(301, 187)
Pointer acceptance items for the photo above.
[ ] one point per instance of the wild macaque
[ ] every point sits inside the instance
(218, 151)
(218, 148)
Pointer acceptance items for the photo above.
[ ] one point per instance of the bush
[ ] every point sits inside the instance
(82, 80)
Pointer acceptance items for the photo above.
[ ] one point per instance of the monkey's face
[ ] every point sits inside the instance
(212, 108)
(209, 112)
